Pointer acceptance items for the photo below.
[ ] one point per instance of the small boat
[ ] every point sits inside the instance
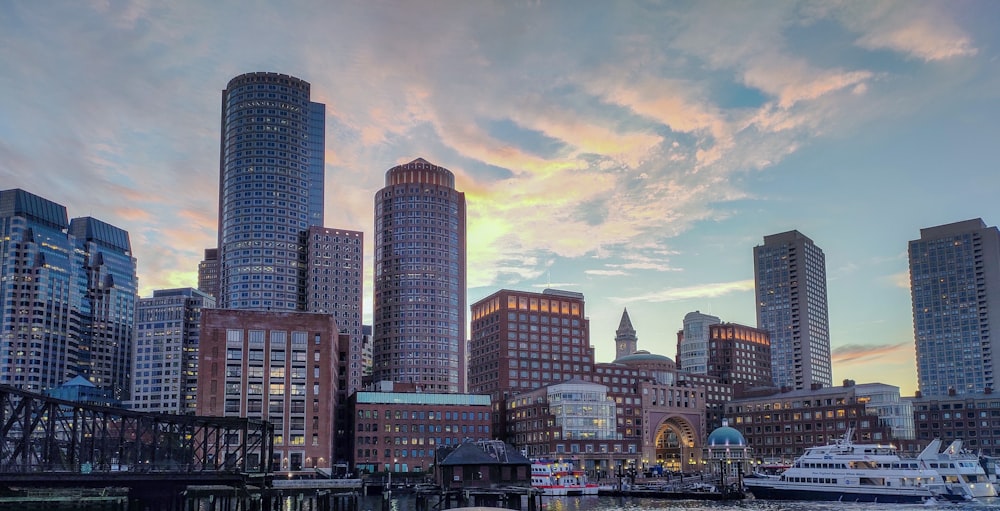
(849, 472)
(959, 468)
(557, 479)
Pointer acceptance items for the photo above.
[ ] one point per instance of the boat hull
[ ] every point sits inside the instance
(875, 495)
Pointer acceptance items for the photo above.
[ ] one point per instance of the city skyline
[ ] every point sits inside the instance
(659, 142)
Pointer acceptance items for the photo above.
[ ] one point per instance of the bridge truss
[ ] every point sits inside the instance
(39, 434)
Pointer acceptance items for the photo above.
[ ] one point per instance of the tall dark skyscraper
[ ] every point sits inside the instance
(790, 284)
(270, 190)
(420, 295)
(955, 288)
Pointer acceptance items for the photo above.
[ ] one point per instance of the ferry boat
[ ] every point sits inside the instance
(960, 469)
(844, 471)
(556, 479)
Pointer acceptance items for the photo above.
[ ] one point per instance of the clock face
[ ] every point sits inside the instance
(621, 345)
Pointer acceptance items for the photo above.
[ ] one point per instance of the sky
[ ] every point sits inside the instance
(633, 151)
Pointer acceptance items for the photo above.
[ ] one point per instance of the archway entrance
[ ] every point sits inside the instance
(676, 446)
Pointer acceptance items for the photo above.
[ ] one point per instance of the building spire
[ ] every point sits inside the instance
(625, 339)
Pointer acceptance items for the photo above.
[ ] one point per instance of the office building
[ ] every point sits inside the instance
(270, 190)
(955, 290)
(107, 312)
(72, 286)
(276, 366)
(739, 355)
(165, 360)
(208, 272)
(334, 276)
(790, 285)
(692, 342)
(420, 286)
(39, 279)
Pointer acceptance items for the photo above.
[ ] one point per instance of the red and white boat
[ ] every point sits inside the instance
(556, 479)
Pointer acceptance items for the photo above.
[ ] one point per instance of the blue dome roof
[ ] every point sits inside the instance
(726, 436)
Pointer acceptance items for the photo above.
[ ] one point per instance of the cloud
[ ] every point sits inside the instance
(868, 353)
(900, 280)
(606, 273)
(712, 290)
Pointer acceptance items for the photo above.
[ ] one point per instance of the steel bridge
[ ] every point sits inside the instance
(47, 442)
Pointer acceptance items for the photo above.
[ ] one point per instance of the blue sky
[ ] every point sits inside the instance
(632, 151)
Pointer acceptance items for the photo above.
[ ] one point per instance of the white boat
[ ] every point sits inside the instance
(556, 479)
(959, 468)
(848, 472)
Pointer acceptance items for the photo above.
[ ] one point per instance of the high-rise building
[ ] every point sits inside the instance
(110, 292)
(208, 272)
(73, 286)
(165, 360)
(626, 341)
(955, 289)
(270, 190)
(334, 275)
(39, 278)
(419, 292)
(277, 366)
(692, 342)
(790, 284)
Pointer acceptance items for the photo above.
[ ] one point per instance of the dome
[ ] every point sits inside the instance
(726, 436)
(643, 356)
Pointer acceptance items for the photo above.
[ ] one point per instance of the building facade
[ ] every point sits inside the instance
(420, 284)
(524, 340)
(692, 342)
(739, 355)
(165, 359)
(270, 190)
(208, 272)
(573, 419)
(790, 286)
(779, 426)
(955, 290)
(70, 289)
(399, 431)
(276, 366)
(973, 418)
(107, 313)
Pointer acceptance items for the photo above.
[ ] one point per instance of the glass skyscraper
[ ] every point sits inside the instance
(955, 288)
(420, 295)
(790, 286)
(69, 289)
(270, 190)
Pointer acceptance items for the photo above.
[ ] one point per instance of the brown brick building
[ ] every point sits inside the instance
(276, 366)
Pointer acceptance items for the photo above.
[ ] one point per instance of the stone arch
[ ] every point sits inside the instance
(675, 444)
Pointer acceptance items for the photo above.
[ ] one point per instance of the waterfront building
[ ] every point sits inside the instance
(165, 360)
(397, 429)
(276, 366)
(955, 291)
(81, 390)
(973, 418)
(790, 286)
(884, 400)
(270, 190)
(208, 272)
(573, 420)
(739, 355)
(692, 342)
(73, 286)
(626, 340)
(779, 426)
(727, 455)
(420, 283)
(524, 340)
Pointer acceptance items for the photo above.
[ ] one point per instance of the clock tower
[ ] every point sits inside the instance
(625, 338)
